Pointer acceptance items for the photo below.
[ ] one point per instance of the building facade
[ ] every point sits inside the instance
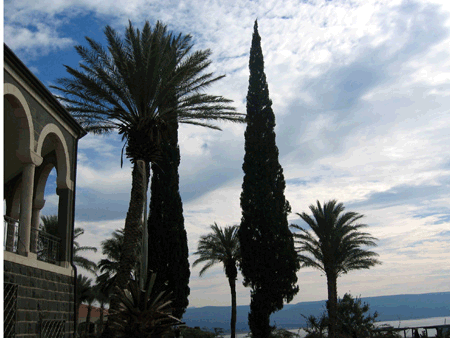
(39, 277)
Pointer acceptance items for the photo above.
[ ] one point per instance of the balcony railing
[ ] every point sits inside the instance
(11, 234)
(46, 246)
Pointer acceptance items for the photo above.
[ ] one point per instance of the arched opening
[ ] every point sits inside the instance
(52, 140)
(45, 233)
(17, 131)
(18, 148)
(52, 186)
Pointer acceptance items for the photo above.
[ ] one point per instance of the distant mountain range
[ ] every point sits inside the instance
(389, 308)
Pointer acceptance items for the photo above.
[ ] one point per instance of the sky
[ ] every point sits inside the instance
(361, 96)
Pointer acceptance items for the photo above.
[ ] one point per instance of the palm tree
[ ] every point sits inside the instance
(83, 292)
(91, 297)
(79, 260)
(143, 312)
(140, 87)
(108, 267)
(334, 247)
(102, 296)
(50, 226)
(222, 246)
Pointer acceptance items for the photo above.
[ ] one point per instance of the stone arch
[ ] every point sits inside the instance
(15, 98)
(52, 131)
(41, 182)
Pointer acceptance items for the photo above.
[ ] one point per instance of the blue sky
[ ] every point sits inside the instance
(361, 94)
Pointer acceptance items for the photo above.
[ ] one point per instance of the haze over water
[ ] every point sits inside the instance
(395, 323)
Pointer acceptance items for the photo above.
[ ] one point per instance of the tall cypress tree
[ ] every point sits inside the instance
(269, 262)
(168, 248)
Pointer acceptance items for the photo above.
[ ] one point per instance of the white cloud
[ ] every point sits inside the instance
(41, 41)
(108, 180)
(361, 96)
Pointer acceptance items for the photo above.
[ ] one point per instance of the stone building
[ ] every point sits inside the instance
(39, 277)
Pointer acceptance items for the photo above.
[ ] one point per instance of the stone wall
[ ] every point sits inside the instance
(44, 299)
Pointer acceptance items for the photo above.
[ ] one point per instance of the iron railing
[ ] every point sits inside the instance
(9, 307)
(46, 246)
(11, 234)
(52, 328)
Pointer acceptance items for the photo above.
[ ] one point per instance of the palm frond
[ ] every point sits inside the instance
(129, 83)
(335, 241)
(219, 246)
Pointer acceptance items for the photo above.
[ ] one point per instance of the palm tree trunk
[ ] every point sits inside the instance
(88, 320)
(102, 309)
(232, 282)
(332, 303)
(131, 240)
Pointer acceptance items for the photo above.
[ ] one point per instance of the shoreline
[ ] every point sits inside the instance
(394, 323)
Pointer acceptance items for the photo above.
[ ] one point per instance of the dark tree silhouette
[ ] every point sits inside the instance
(127, 89)
(334, 247)
(168, 251)
(50, 226)
(269, 262)
(222, 246)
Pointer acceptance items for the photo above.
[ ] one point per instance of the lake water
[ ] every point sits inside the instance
(396, 323)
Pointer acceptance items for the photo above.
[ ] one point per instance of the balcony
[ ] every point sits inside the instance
(44, 245)
(11, 234)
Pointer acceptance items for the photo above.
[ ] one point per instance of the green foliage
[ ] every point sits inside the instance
(386, 334)
(126, 87)
(269, 261)
(143, 313)
(108, 267)
(335, 241)
(85, 293)
(167, 246)
(278, 333)
(283, 333)
(189, 332)
(50, 226)
(316, 327)
(353, 320)
(83, 290)
(353, 317)
(79, 260)
(218, 332)
(334, 247)
(222, 246)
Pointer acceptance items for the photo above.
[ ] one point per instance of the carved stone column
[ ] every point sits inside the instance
(35, 221)
(26, 199)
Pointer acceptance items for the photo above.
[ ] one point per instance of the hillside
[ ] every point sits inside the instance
(396, 307)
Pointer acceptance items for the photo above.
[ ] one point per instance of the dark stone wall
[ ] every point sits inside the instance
(41, 295)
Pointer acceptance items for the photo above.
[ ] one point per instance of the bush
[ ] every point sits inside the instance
(353, 320)
(278, 333)
(189, 332)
